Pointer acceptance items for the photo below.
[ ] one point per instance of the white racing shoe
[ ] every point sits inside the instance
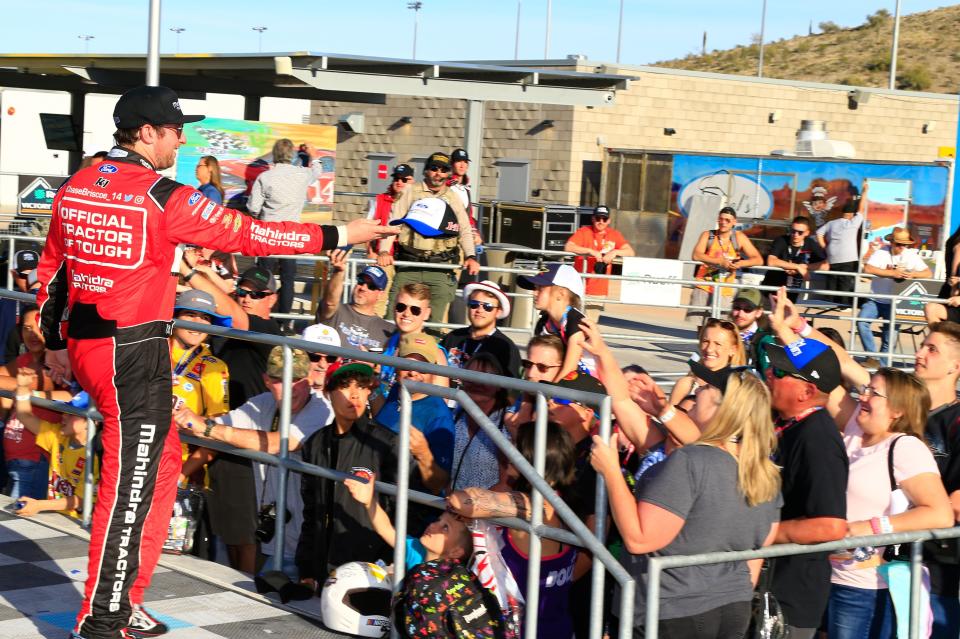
(143, 624)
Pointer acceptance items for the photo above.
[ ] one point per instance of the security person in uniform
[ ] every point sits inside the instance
(435, 230)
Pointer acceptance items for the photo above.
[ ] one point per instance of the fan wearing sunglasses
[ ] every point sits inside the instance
(720, 346)
(435, 228)
(410, 312)
(486, 303)
(319, 363)
(798, 253)
(544, 359)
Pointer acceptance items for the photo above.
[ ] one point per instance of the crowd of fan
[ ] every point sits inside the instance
(776, 435)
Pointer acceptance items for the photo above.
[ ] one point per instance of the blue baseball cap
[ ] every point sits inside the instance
(375, 277)
(810, 360)
(81, 400)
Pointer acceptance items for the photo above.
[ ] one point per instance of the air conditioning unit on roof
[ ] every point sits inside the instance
(813, 142)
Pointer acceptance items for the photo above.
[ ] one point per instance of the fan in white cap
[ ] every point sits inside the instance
(492, 288)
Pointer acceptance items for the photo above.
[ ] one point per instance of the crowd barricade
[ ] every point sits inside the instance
(581, 535)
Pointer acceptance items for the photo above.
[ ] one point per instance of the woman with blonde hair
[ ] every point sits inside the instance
(210, 179)
(894, 485)
(720, 493)
(719, 346)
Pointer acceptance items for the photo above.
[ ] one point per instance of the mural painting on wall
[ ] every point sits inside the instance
(778, 189)
(244, 149)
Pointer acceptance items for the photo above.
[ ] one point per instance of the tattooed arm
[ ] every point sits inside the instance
(476, 503)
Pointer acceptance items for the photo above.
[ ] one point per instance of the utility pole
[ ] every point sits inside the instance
(86, 42)
(516, 43)
(259, 31)
(178, 31)
(416, 6)
(893, 50)
(763, 26)
(703, 46)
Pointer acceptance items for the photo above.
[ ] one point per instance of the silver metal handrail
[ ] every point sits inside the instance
(656, 565)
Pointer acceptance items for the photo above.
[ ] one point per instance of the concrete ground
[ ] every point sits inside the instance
(43, 565)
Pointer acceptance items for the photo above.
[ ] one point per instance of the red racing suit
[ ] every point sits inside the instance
(107, 293)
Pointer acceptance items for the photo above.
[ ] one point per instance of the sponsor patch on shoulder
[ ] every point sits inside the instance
(107, 168)
(194, 198)
(207, 210)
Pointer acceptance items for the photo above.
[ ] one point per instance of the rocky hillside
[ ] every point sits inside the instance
(929, 56)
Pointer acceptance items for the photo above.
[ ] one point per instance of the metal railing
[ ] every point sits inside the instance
(656, 565)
(581, 536)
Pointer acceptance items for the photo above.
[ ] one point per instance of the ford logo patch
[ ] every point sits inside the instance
(107, 168)
(194, 198)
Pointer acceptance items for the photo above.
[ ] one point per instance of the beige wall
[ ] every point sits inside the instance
(710, 112)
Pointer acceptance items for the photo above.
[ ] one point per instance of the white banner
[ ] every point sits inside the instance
(651, 293)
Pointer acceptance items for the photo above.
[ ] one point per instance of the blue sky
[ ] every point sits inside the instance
(448, 31)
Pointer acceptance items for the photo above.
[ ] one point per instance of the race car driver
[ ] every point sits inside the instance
(107, 294)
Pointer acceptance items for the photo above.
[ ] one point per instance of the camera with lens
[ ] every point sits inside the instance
(267, 523)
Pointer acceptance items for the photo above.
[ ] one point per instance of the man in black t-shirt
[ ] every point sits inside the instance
(486, 303)
(798, 254)
(937, 363)
(814, 475)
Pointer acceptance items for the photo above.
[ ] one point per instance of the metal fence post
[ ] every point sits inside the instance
(891, 329)
(916, 581)
(403, 487)
(88, 474)
(281, 503)
(652, 621)
(600, 512)
(11, 248)
(536, 518)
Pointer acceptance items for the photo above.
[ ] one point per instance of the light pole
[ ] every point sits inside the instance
(516, 42)
(416, 6)
(259, 31)
(86, 42)
(153, 44)
(893, 50)
(620, 32)
(546, 42)
(763, 26)
(178, 31)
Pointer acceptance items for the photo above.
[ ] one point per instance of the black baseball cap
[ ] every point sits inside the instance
(150, 105)
(260, 278)
(438, 159)
(460, 155)
(719, 378)
(601, 211)
(25, 260)
(578, 380)
(402, 171)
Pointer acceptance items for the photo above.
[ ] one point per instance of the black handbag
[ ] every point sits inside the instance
(766, 617)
